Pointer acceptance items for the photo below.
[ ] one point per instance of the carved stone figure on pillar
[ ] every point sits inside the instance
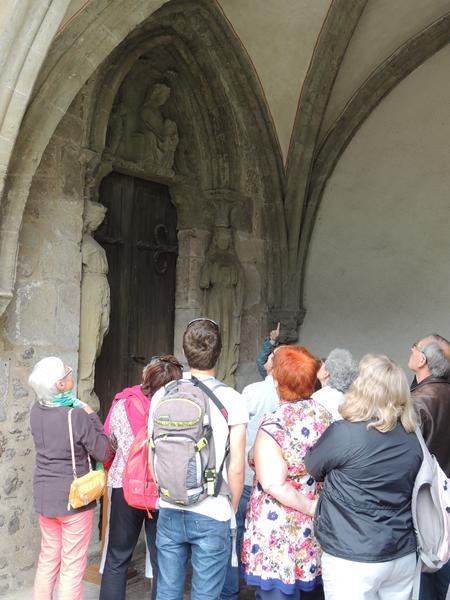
(161, 135)
(222, 280)
(95, 303)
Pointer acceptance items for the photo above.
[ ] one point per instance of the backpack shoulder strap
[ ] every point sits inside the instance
(209, 392)
(425, 451)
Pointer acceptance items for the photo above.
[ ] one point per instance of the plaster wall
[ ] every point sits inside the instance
(378, 271)
(279, 38)
(384, 26)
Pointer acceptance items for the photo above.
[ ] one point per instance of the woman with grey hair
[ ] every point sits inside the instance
(65, 532)
(337, 373)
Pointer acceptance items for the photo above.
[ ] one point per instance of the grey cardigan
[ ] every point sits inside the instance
(53, 474)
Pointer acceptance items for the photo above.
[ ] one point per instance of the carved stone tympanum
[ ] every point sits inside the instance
(222, 280)
(95, 303)
(161, 134)
(139, 132)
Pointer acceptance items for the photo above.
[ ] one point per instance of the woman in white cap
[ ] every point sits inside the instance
(65, 532)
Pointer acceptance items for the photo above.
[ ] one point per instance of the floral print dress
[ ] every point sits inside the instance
(279, 549)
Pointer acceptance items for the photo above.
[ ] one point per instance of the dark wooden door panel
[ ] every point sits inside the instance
(154, 256)
(140, 239)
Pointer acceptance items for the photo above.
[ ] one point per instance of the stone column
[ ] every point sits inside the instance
(195, 220)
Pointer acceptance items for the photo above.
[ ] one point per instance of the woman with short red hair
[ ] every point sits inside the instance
(280, 552)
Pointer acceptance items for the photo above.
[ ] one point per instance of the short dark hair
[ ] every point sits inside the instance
(202, 344)
(160, 371)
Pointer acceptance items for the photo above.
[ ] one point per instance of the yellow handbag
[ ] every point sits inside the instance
(88, 488)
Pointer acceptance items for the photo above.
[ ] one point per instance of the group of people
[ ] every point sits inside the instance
(320, 461)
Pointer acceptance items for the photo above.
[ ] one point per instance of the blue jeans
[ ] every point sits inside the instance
(434, 586)
(209, 541)
(230, 589)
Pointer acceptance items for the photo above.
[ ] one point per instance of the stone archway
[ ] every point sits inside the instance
(215, 180)
(252, 182)
(232, 158)
(227, 169)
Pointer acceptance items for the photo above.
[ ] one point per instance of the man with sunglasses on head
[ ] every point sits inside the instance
(203, 528)
(429, 360)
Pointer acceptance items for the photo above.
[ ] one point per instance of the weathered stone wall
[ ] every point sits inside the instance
(43, 319)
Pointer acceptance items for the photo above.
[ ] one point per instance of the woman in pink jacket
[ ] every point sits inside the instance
(128, 414)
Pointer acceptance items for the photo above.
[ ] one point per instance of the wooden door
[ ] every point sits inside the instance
(140, 240)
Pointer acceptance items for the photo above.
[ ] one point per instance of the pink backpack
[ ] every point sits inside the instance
(139, 488)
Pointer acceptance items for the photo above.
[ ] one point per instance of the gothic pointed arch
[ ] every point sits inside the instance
(228, 146)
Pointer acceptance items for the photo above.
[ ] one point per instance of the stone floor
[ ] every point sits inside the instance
(138, 588)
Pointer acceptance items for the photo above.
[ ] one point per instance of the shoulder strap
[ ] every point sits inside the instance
(139, 406)
(416, 580)
(212, 396)
(223, 411)
(74, 468)
(425, 451)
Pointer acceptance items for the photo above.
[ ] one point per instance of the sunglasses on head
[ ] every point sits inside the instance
(163, 359)
(202, 319)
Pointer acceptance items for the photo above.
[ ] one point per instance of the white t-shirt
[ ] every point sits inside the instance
(219, 507)
(331, 399)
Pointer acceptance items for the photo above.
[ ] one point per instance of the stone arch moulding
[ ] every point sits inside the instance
(335, 35)
(379, 84)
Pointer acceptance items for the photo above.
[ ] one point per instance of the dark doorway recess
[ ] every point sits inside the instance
(140, 239)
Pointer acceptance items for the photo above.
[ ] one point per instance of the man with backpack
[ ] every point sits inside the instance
(197, 429)
(431, 394)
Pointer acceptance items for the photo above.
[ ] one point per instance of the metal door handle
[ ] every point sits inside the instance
(139, 359)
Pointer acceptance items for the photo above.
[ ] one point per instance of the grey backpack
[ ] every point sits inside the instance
(184, 457)
(430, 507)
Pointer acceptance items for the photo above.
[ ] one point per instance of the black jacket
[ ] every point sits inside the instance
(364, 511)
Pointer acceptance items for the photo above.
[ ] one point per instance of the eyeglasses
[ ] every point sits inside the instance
(68, 371)
(202, 319)
(416, 347)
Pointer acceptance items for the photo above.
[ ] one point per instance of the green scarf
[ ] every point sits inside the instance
(66, 398)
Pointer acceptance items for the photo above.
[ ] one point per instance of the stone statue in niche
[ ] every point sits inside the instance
(222, 281)
(161, 134)
(95, 303)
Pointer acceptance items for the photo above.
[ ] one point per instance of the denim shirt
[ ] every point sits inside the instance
(266, 349)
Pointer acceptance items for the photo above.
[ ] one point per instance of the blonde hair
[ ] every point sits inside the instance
(379, 394)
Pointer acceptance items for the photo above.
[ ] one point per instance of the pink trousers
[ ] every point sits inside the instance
(64, 545)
